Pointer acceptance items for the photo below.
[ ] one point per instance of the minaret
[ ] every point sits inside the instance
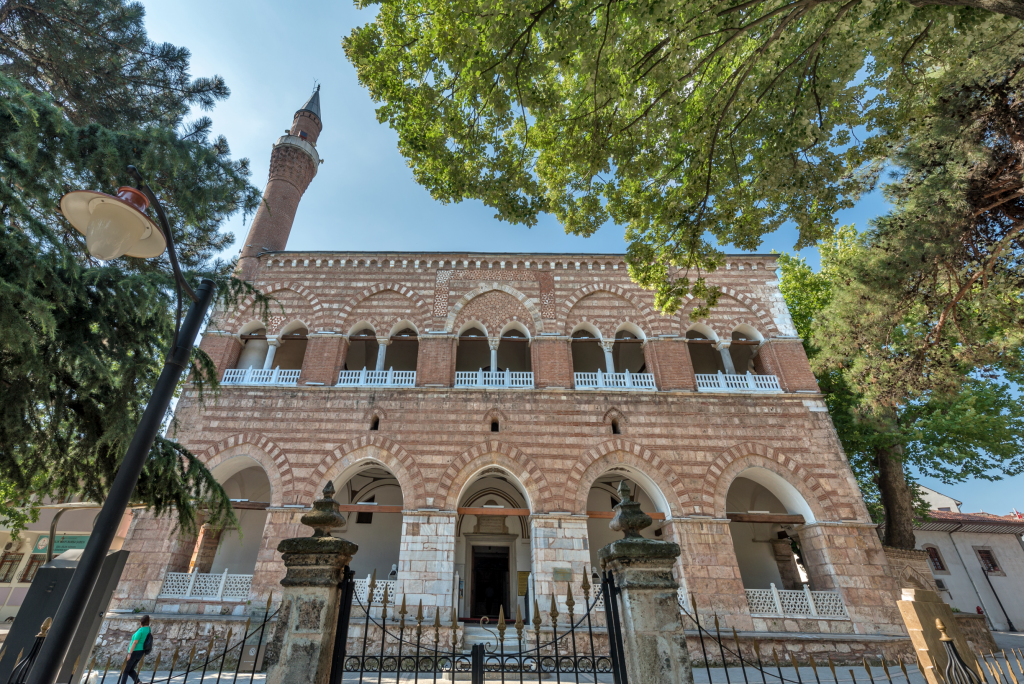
(293, 163)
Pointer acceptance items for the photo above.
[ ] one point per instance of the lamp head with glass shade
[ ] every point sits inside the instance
(114, 226)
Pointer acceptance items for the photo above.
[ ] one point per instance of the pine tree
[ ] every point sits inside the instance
(914, 327)
(85, 93)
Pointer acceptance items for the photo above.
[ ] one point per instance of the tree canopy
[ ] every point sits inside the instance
(85, 93)
(687, 122)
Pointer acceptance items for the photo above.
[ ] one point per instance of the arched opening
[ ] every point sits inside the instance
(362, 349)
(604, 496)
(377, 524)
(292, 347)
(403, 350)
(767, 551)
(703, 355)
(587, 354)
(514, 350)
(254, 346)
(745, 343)
(492, 545)
(473, 352)
(628, 352)
(235, 549)
(494, 426)
(375, 423)
(615, 427)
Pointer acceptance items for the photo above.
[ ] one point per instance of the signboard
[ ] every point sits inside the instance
(63, 542)
(561, 574)
(524, 582)
(251, 660)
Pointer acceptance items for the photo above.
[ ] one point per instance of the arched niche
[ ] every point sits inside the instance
(628, 349)
(378, 533)
(403, 350)
(703, 355)
(473, 353)
(604, 496)
(587, 354)
(514, 348)
(292, 350)
(765, 550)
(235, 549)
(745, 342)
(254, 352)
(491, 549)
(362, 347)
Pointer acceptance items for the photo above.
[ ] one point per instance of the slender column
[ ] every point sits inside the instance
(382, 350)
(426, 559)
(609, 361)
(723, 349)
(493, 343)
(271, 351)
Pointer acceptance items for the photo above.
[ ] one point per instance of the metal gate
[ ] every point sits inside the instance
(565, 647)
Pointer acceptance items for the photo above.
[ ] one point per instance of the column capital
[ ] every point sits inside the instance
(608, 345)
(273, 341)
(723, 344)
(493, 343)
(384, 340)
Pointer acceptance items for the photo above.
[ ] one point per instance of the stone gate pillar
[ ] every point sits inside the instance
(304, 640)
(653, 635)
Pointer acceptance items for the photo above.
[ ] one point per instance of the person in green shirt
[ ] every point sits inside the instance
(135, 652)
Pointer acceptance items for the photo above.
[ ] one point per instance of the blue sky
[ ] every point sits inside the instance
(364, 196)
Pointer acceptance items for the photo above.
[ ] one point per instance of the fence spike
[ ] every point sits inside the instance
(75, 666)
(419, 613)
(757, 649)
(191, 655)
(174, 659)
(775, 655)
(536, 619)
(1017, 656)
(867, 668)
(3, 650)
(832, 666)
(554, 611)
(519, 625)
(569, 601)
(999, 668)
(814, 665)
(18, 659)
(1009, 669)
(903, 666)
(501, 624)
(269, 599)
(995, 673)
(402, 611)
(885, 667)
(156, 665)
(586, 585)
(716, 620)
(921, 668)
(977, 664)
(384, 608)
(45, 627)
(372, 585)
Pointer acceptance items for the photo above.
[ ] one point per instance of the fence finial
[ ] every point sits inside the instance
(45, 627)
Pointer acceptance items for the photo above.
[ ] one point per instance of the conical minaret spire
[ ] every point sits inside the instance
(293, 163)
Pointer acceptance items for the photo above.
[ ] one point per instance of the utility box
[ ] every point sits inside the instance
(44, 598)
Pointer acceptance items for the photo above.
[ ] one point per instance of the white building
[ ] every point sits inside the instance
(977, 560)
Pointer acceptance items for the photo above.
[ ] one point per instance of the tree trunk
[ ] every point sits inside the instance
(897, 499)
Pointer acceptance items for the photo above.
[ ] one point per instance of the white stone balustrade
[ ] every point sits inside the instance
(727, 382)
(369, 378)
(617, 381)
(505, 378)
(796, 603)
(206, 586)
(260, 376)
(362, 587)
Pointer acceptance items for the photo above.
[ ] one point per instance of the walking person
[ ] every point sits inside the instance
(141, 644)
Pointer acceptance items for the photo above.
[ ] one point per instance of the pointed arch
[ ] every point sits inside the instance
(729, 464)
(316, 308)
(261, 449)
(376, 448)
(531, 308)
(494, 452)
(643, 309)
(598, 460)
(422, 318)
(765, 323)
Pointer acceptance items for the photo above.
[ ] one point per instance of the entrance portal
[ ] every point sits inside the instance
(490, 581)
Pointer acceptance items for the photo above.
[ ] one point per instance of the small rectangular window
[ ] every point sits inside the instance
(936, 559)
(940, 584)
(947, 509)
(34, 562)
(988, 561)
(8, 565)
(365, 517)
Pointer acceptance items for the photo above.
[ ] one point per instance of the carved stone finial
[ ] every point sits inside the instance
(629, 519)
(325, 515)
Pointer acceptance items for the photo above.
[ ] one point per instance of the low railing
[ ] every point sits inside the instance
(482, 378)
(206, 586)
(726, 382)
(260, 376)
(619, 381)
(796, 603)
(369, 378)
(378, 592)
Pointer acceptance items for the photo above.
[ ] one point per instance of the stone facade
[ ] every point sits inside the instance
(441, 459)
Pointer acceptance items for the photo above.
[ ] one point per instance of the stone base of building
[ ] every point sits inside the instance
(842, 648)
